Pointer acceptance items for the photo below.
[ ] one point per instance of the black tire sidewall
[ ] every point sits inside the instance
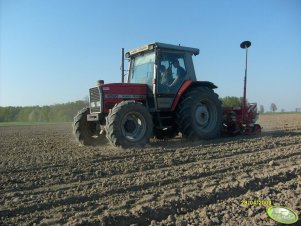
(187, 119)
(82, 129)
(212, 107)
(114, 124)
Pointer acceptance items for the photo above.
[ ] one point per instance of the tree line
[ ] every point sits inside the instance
(53, 113)
(62, 112)
(231, 101)
(66, 112)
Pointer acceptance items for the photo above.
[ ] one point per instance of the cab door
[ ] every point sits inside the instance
(166, 74)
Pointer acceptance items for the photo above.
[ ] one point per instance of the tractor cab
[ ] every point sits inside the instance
(163, 68)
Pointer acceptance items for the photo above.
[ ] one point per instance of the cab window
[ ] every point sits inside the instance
(171, 72)
(142, 69)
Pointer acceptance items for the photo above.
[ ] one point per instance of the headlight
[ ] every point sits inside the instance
(95, 104)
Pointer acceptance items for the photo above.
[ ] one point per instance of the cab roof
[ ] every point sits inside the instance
(159, 45)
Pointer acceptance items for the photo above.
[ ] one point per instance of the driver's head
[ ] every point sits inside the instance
(175, 63)
(162, 68)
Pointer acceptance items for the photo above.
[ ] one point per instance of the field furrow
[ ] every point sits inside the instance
(47, 178)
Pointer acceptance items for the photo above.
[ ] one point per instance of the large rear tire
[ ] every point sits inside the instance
(129, 124)
(199, 114)
(85, 132)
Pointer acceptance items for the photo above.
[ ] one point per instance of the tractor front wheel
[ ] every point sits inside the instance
(129, 124)
(199, 114)
(86, 132)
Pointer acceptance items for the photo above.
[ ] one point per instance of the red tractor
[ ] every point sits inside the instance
(161, 98)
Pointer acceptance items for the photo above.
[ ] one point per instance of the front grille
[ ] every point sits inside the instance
(95, 99)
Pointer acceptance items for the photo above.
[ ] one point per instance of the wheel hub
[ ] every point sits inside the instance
(133, 126)
(130, 126)
(202, 115)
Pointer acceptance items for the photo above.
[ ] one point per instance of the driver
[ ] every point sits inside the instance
(180, 75)
(165, 76)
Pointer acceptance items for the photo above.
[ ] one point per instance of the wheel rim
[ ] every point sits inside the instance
(133, 126)
(205, 116)
(202, 115)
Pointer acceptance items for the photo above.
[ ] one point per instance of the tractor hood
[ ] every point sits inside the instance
(103, 98)
(124, 91)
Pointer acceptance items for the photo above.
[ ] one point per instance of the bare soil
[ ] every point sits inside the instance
(48, 179)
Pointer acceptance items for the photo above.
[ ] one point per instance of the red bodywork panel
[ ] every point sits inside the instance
(179, 94)
(114, 93)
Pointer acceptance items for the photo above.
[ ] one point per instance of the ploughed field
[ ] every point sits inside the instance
(47, 178)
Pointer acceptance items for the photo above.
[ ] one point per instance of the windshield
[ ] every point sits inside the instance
(142, 69)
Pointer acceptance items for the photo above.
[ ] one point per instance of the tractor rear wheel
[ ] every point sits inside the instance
(199, 114)
(129, 124)
(87, 133)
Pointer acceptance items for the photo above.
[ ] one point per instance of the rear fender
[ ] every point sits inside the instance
(187, 85)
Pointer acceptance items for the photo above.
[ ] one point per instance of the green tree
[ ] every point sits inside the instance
(35, 115)
(273, 107)
(2, 114)
(231, 101)
(53, 113)
(23, 115)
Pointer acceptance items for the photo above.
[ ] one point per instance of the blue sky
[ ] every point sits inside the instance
(53, 51)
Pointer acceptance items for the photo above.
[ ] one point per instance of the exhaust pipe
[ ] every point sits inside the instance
(122, 65)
